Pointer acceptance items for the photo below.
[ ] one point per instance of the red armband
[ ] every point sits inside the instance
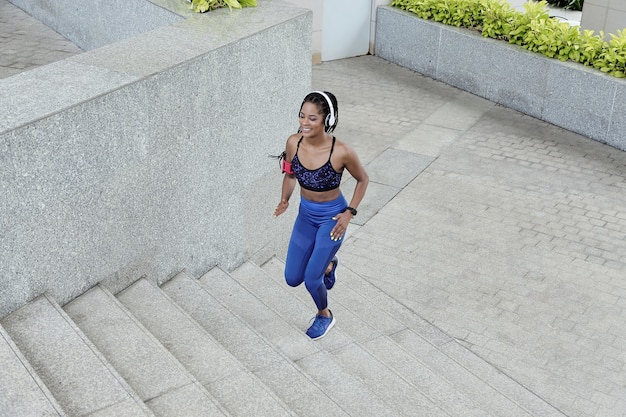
(286, 167)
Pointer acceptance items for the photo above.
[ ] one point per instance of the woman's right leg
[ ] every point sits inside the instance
(299, 251)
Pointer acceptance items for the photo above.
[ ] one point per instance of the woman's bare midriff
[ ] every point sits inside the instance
(320, 196)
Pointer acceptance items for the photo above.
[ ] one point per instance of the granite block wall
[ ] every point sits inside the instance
(566, 94)
(150, 155)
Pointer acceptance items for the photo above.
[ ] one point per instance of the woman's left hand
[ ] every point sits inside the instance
(343, 219)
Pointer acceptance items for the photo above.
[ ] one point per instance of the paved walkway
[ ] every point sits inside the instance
(26, 43)
(506, 232)
(510, 233)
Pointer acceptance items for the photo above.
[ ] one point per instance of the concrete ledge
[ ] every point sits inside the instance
(150, 155)
(92, 24)
(566, 94)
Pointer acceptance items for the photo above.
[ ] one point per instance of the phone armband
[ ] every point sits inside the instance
(286, 167)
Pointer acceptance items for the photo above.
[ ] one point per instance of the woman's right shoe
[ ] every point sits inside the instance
(321, 325)
(329, 279)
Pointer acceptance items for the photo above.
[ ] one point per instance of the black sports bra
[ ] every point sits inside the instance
(324, 178)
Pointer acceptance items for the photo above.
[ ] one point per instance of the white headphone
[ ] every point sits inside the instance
(330, 118)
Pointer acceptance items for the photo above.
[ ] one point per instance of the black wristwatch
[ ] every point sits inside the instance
(352, 210)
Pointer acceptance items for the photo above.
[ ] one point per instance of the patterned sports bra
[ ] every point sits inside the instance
(325, 178)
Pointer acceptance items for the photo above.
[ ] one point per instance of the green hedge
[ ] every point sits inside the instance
(532, 29)
(202, 6)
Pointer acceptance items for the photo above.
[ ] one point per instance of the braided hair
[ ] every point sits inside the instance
(322, 104)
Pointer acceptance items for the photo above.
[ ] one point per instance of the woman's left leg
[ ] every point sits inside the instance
(323, 251)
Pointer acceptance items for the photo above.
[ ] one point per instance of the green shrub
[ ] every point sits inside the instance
(612, 59)
(498, 20)
(532, 29)
(202, 6)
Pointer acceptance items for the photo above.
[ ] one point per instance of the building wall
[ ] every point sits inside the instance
(606, 15)
(319, 7)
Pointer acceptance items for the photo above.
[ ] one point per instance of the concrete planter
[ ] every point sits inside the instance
(566, 94)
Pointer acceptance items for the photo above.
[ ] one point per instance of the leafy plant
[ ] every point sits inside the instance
(498, 19)
(532, 29)
(591, 47)
(202, 6)
(523, 22)
(612, 60)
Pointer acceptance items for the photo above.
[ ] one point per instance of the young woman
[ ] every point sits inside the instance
(316, 159)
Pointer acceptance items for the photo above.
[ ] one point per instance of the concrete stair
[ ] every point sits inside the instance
(233, 344)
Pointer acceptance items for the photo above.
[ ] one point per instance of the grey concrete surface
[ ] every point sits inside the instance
(101, 147)
(80, 379)
(23, 392)
(26, 43)
(577, 98)
(512, 240)
(93, 24)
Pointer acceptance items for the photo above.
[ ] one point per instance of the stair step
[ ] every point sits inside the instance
(400, 395)
(344, 388)
(234, 335)
(292, 342)
(443, 393)
(350, 325)
(78, 376)
(501, 382)
(303, 395)
(280, 374)
(330, 377)
(229, 330)
(473, 377)
(440, 396)
(23, 392)
(161, 381)
(209, 362)
(452, 380)
(287, 302)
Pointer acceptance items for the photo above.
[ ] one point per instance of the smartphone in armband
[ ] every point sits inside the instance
(286, 167)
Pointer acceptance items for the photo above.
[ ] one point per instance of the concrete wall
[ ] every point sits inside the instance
(150, 155)
(606, 15)
(569, 95)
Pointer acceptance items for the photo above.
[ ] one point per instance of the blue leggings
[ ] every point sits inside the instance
(311, 249)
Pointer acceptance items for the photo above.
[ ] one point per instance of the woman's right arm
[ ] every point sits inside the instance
(289, 183)
(289, 180)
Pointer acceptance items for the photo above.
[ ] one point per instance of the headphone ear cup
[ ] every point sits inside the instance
(328, 122)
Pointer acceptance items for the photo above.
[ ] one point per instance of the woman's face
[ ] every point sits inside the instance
(311, 120)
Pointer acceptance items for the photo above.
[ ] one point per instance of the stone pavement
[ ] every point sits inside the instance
(26, 43)
(506, 232)
(509, 236)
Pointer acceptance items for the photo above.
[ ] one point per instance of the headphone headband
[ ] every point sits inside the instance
(330, 119)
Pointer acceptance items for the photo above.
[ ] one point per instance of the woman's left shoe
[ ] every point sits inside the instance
(329, 279)
(321, 325)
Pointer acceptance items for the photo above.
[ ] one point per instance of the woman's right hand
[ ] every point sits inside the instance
(281, 208)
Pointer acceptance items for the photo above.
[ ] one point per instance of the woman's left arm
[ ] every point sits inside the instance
(356, 169)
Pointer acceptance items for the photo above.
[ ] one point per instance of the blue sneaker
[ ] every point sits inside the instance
(329, 279)
(321, 325)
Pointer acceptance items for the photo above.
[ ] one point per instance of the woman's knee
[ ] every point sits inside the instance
(293, 280)
(312, 283)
